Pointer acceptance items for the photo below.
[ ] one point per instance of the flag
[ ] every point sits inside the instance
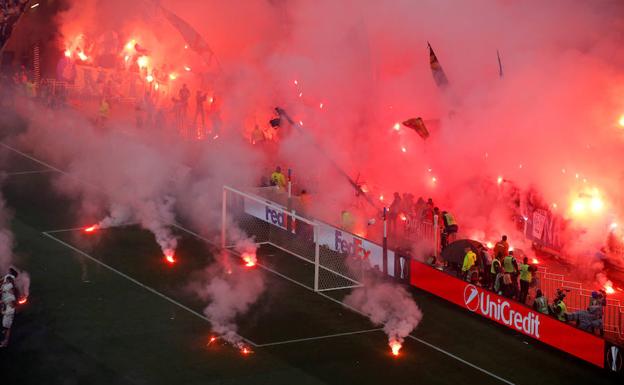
(436, 69)
(189, 34)
(418, 125)
(500, 65)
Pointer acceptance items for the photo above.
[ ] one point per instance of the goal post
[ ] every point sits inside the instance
(288, 243)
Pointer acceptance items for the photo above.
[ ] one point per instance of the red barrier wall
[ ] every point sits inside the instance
(509, 313)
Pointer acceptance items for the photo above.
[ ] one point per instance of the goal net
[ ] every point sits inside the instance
(289, 244)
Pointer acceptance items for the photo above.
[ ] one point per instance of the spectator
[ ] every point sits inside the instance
(449, 227)
(8, 312)
(103, 112)
(502, 246)
(470, 258)
(526, 271)
(541, 303)
(559, 308)
(8, 298)
(394, 211)
(277, 178)
(510, 268)
(184, 96)
(495, 271)
(200, 99)
(486, 259)
(347, 221)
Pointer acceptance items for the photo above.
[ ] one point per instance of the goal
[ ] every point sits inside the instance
(288, 243)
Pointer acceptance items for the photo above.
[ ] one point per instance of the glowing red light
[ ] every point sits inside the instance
(91, 229)
(489, 245)
(609, 289)
(22, 300)
(212, 339)
(170, 257)
(403, 217)
(395, 346)
(249, 259)
(535, 261)
(246, 351)
(68, 53)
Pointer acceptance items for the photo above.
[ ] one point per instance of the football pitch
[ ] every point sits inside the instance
(106, 309)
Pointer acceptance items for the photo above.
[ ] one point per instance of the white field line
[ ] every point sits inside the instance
(318, 338)
(264, 267)
(31, 157)
(449, 354)
(153, 291)
(16, 173)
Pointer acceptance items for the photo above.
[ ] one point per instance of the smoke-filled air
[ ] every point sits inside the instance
(489, 108)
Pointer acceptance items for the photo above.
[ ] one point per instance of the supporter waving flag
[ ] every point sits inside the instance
(436, 69)
(418, 125)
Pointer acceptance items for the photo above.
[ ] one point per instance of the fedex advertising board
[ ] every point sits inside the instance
(513, 315)
(354, 247)
(267, 213)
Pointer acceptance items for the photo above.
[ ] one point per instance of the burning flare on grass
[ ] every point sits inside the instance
(244, 349)
(250, 259)
(395, 346)
(91, 229)
(170, 256)
(389, 305)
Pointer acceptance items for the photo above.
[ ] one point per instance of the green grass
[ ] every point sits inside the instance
(113, 331)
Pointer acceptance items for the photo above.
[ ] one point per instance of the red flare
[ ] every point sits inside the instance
(249, 259)
(245, 350)
(609, 289)
(22, 300)
(170, 257)
(395, 346)
(535, 261)
(212, 339)
(91, 229)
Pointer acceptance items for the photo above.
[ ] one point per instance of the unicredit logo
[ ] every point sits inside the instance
(501, 310)
(471, 297)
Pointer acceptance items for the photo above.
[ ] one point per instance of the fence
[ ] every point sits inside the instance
(578, 298)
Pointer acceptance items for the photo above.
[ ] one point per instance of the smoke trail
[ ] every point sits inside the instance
(387, 304)
(230, 290)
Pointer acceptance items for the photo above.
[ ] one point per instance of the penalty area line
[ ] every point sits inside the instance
(129, 278)
(430, 345)
(17, 173)
(31, 158)
(318, 337)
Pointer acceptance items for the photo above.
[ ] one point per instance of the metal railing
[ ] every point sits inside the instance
(578, 298)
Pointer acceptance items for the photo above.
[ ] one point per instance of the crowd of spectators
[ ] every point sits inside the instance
(498, 270)
(408, 217)
(10, 10)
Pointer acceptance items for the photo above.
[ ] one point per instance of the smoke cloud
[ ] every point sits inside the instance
(387, 304)
(346, 72)
(230, 290)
